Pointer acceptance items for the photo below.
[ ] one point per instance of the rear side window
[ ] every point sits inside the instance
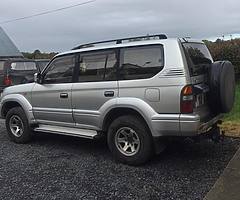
(97, 66)
(22, 66)
(141, 62)
(198, 58)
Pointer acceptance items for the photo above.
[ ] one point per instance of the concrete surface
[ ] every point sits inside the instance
(227, 186)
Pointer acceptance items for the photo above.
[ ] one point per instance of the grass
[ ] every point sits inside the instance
(231, 124)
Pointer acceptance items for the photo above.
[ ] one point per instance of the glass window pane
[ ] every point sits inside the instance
(23, 66)
(98, 66)
(198, 58)
(42, 64)
(1, 65)
(60, 70)
(141, 62)
(111, 67)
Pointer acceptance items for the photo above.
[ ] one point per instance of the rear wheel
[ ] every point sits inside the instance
(129, 140)
(17, 126)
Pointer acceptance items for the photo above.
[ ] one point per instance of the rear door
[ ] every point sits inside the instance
(138, 67)
(199, 60)
(96, 85)
(51, 99)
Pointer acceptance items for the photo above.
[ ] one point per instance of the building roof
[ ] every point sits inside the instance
(7, 47)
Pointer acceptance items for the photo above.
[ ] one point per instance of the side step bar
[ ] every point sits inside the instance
(83, 133)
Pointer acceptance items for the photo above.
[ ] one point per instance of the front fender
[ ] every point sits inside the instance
(22, 101)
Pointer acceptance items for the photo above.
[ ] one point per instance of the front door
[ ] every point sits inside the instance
(96, 86)
(51, 100)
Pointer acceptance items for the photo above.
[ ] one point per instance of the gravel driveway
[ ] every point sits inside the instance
(60, 167)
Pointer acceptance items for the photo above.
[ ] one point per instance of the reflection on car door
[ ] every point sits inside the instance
(51, 100)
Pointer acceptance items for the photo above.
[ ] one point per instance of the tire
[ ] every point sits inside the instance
(17, 126)
(134, 130)
(222, 86)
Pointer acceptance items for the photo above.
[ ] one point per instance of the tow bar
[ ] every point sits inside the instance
(216, 135)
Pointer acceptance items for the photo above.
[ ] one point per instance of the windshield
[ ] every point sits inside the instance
(42, 64)
(23, 66)
(198, 58)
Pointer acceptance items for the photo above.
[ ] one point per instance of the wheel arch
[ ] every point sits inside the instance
(16, 100)
(116, 112)
(8, 106)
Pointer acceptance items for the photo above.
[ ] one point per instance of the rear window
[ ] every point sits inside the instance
(23, 66)
(198, 58)
(1, 65)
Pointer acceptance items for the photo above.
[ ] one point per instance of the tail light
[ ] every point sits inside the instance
(7, 81)
(187, 100)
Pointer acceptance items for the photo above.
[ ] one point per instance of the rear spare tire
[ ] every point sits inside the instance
(222, 86)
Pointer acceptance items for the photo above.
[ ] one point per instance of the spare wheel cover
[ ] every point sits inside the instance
(227, 86)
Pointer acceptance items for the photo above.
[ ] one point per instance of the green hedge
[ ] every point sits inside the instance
(226, 50)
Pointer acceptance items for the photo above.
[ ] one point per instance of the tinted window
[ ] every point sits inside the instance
(97, 66)
(198, 57)
(42, 64)
(22, 66)
(60, 70)
(141, 62)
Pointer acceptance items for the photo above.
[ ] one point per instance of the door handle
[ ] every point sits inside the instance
(109, 93)
(64, 95)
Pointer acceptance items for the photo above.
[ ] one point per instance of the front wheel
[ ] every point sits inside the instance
(17, 126)
(129, 140)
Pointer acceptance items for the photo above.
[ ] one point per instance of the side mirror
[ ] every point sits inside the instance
(37, 77)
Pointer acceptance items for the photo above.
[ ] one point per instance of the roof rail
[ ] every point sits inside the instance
(120, 41)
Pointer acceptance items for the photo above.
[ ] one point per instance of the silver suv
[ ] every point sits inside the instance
(135, 91)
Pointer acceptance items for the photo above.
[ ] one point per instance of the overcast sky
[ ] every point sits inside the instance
(107, 19)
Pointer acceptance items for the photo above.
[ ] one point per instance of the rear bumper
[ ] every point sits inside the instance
(180, 124)
(191, 125)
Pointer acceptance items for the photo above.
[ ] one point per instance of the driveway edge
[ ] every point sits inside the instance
(228, 184)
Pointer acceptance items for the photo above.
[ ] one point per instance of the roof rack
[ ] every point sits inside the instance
(120, 41)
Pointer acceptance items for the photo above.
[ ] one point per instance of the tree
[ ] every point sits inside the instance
(226, 50)
(37, 54)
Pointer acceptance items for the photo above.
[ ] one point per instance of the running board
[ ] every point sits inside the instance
(83, 133)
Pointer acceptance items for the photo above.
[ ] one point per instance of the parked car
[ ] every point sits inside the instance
(136, 94)
(19, 71)
(16, 71)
